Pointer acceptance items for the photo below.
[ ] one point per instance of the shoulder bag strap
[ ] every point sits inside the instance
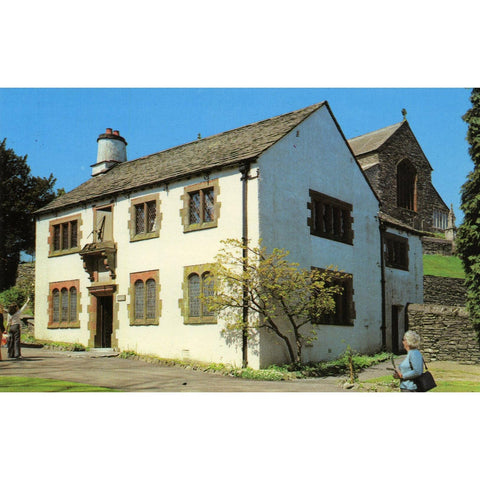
(411, 366)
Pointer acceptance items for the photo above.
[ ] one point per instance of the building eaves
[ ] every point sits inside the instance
(395, 223)
(225, 149)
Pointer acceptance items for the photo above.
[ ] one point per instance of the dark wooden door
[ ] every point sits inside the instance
(103, 337)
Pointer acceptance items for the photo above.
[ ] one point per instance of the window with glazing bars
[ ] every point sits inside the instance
(56, 306)
(139, 300)
(440, 220)
(196, 285)
(65, 235)
(194, 295)
(145, 217)
(208, 289)
(64, 305)
(330, 218)
(145, 299)
(151, 299)
(344, 313)
(73, 305)
(396, 251)
(201, 206)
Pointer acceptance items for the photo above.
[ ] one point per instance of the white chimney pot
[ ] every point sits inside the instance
(111, 151)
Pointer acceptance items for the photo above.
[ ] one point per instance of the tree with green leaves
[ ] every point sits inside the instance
(280, 296)
(21, 194)
(468, 235)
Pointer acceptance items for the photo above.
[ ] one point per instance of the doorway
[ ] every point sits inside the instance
(103, 336)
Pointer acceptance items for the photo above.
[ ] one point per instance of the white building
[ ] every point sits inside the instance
(121, 259)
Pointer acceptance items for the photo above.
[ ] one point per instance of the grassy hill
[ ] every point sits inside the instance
(442, 266)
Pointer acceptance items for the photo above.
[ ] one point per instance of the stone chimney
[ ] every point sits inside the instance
(111, 151)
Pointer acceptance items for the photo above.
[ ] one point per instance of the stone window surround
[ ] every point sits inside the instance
(399, 240)
(347, 284)
(144, 276)
(344, 207)
(185, 211)
(134, 237)
(59, 286)
(200, 270)
(59, 221)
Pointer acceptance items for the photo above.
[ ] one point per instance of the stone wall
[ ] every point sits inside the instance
(444, 291)
(447, 333)
(383, 177)
(437, 246)
(26, 276)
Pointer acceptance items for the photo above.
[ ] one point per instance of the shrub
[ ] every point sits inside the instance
(13, 296)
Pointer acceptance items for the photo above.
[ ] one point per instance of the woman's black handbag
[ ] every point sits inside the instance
(425, 381)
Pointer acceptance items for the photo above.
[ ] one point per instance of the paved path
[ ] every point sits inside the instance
(138, 376)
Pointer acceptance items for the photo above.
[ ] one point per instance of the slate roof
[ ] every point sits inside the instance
(369, 142)
(221, 150)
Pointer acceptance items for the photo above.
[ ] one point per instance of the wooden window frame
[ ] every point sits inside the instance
(63, 225)
(394, 258)
(200, 188)
(338, 214)
(132, 223)
(62, 322)
(204, 316)
(344, 316)
(144, 277)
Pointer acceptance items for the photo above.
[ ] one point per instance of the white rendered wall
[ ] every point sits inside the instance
(168, 254)
(319, 159)
(403, 287)
(57, 269)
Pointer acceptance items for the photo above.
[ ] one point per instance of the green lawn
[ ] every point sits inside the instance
(30, 384)
(442, 266)
(387, 384)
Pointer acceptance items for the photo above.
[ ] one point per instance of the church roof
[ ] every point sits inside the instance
(369, 142)
(221, 150)
(372, 142)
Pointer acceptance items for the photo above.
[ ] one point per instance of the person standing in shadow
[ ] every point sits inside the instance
(14, 325)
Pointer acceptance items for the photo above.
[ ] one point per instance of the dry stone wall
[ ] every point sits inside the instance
(437, 246)
(447, 333)
(444, 291)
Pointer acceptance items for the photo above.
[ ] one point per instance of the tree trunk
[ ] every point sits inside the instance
(298, 343)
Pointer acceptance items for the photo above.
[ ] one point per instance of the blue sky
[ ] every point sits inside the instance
(58, 127)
